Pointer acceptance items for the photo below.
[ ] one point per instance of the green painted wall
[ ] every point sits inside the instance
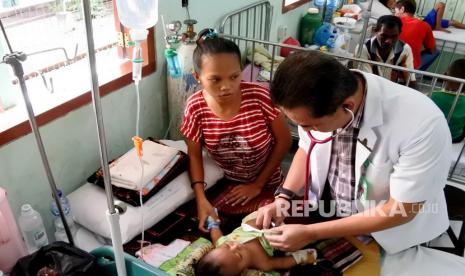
(71, 141)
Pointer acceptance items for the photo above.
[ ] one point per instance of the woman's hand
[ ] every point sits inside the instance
(205, 209)
(243, 193)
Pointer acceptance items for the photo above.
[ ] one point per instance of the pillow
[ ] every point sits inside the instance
(89, 204)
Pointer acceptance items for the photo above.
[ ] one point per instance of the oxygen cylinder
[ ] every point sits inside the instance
(179, 89)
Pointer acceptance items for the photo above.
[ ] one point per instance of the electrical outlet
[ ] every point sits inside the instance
(184, 3)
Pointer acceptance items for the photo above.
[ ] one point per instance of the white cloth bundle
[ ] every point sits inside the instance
(89, 203)
(126, 171)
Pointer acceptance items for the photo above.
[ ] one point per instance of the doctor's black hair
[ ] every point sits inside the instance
(389, 21)
(384, 2)
(312, 80)
(209, 43)
(410, 6)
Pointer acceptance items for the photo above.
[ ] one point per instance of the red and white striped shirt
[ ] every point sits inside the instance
(241, 145)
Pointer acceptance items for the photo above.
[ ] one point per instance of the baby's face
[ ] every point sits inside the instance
(232, 257)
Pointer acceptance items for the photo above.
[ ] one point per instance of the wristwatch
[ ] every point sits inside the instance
(281, 190)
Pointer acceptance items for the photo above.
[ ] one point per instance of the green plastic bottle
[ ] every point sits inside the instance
(309, 23)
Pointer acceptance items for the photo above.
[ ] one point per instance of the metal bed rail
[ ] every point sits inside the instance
(429, 81)
(252, 21)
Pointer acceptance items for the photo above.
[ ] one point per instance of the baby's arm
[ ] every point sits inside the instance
(215, 234)
(214, 227)
(267, 263)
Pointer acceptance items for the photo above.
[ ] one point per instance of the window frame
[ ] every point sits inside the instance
(286, 8)
(124, 78)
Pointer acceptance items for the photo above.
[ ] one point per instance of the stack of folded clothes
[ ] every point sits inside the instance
(126, 171)
(161, 165)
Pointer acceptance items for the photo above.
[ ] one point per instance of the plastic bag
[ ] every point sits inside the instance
(58, 257)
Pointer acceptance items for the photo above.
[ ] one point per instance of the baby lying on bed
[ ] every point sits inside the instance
(243, 250)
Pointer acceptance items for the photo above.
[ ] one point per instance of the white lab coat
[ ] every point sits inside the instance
(407, 143)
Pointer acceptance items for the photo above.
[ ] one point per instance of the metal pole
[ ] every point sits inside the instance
(366, 19)
(113, 215)
(14, 59)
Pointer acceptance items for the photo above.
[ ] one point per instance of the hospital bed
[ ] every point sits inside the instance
(249, 27)
(88, 203)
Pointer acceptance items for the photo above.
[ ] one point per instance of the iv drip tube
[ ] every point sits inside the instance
(112, 213)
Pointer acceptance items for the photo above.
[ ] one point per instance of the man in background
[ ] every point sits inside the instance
(386, 47)
(416, 33)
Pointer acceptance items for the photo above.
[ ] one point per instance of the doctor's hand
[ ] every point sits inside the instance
(243, 193)
(289, 237)
(273, 212)
(205, 209)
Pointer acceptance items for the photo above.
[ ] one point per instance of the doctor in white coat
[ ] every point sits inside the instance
(385, 166)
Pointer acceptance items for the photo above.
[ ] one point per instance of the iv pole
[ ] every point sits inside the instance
(112, 213)
(15, 59)
(366, 19)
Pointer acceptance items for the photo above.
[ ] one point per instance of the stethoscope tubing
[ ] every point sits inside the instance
(314, 141)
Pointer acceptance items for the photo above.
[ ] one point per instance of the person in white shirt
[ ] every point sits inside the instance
(386, 47)
(381, 146)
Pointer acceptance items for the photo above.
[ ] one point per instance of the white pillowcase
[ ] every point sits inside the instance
(89, 204)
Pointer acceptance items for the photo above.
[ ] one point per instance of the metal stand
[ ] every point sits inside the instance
(366, 18)
(112, 213)
(14, 59)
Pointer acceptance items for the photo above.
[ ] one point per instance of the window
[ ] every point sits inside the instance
(52, 33)
(292, 4)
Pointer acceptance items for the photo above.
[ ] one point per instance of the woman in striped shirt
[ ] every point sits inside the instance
(239, 126)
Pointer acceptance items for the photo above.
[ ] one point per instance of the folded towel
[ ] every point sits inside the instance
(126, 171)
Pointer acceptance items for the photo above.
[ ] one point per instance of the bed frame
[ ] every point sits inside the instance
(250, 26)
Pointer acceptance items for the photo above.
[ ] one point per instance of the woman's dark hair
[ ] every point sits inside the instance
(409, 5)
(312, 80)
(207, 266)
(209, 43)
(456, 70)
(389, 21)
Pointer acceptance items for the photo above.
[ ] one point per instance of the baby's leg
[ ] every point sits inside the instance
(456, 24)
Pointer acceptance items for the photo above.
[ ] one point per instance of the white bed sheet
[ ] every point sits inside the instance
(450, 40)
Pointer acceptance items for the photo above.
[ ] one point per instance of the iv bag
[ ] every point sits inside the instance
(138, 14)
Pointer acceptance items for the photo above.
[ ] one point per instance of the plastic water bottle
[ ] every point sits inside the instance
(319, 3)
(32, 228)
(331, 6)
(331, 43)
(60, 234)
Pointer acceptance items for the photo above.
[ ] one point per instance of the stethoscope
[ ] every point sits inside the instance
(313, 142)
